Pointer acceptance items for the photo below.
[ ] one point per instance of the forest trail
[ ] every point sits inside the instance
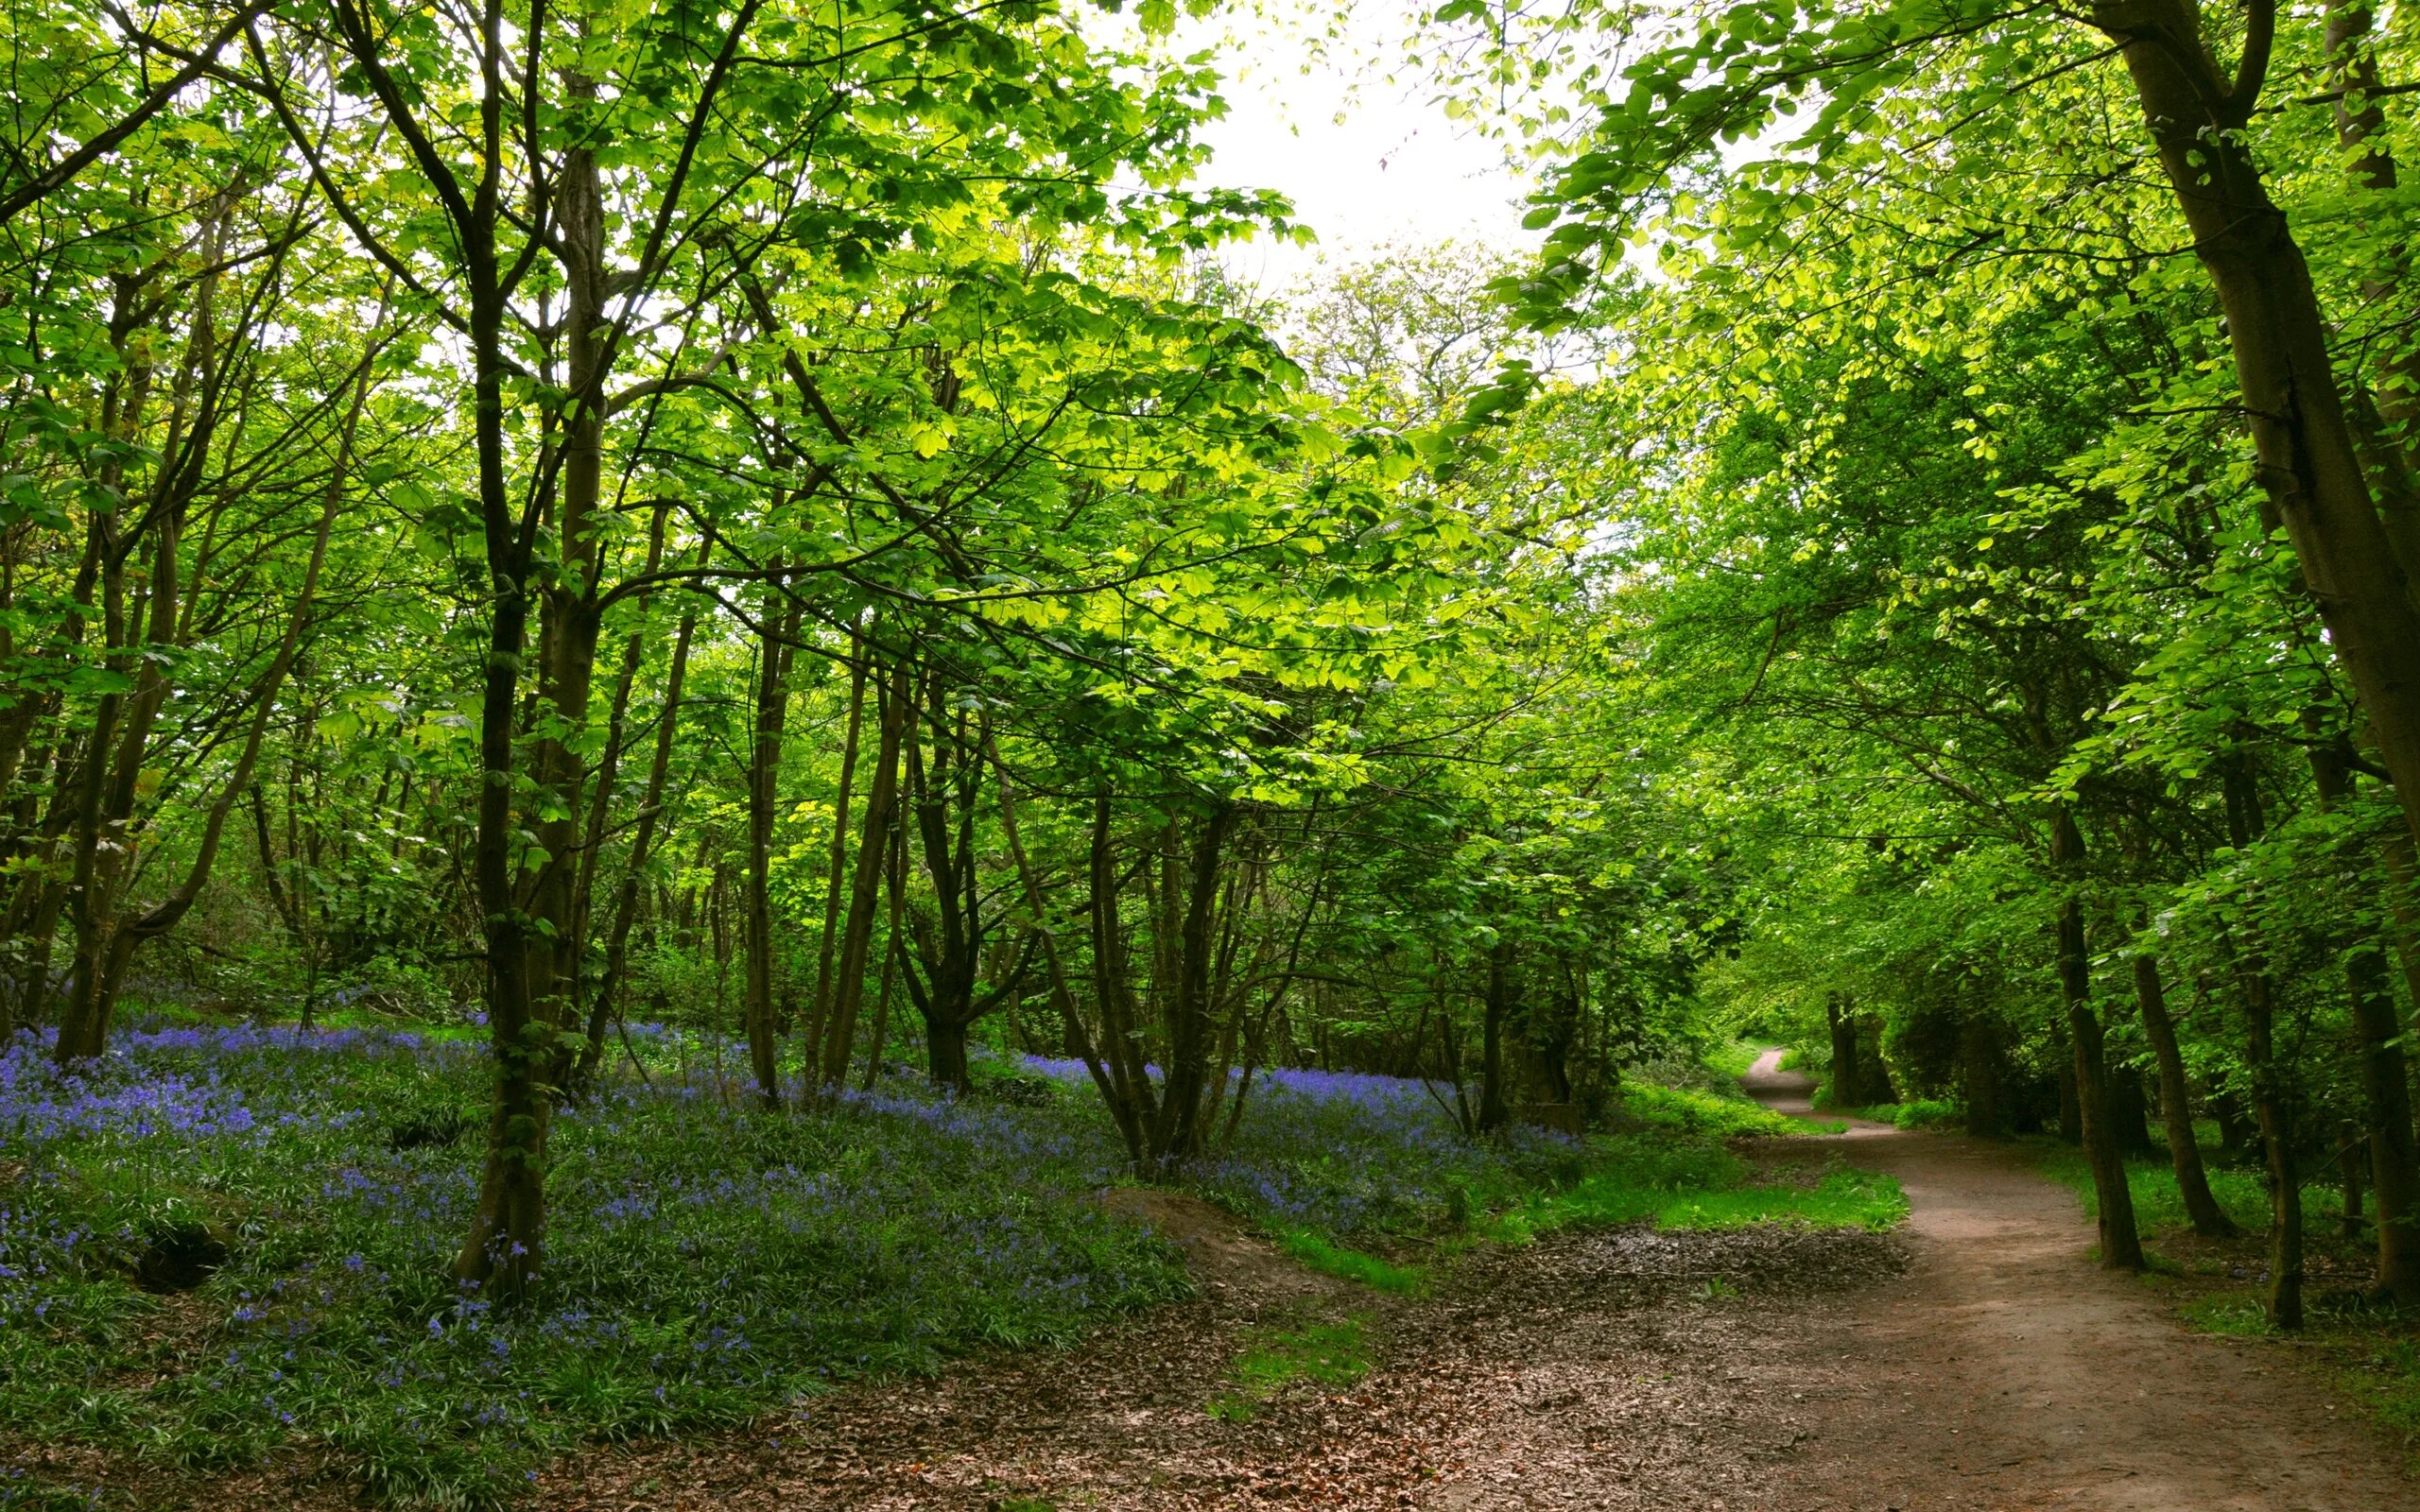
(1977, 1362)
(2005, 1369)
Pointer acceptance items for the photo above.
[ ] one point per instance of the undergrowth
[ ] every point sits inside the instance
(2150, 1181)
(1919, 1112)
(1329, 1258)
(1695, 1184)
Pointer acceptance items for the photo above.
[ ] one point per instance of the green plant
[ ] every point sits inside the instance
(1329, 1355)
(1330, 1259)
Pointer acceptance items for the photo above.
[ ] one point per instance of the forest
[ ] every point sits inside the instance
(727, 780)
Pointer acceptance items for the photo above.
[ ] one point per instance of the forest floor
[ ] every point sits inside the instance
(1975, 1360)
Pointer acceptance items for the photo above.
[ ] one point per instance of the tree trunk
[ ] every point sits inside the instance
(836, 873)
(2360, 127)
(764, 782)
(2278, 1140)
(1178, 1134)
(1979, 1057)
(2386, 1079)
(601, 1007)
(1494, 1009)
(2268, 1092)
(1840, 1088)
(2176, 1104)
(1874, 1087)
(2129, 1111)
(839, 1034)
(2121, 1246)
(879, 1040)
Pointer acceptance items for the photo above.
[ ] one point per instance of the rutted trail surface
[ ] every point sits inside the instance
(2006, 1370)
(1979, 1361)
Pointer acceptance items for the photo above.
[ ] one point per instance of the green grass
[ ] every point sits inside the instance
(1690, 1110)
(2386, 1379)
(1322, 1254)
(2158, 1204)
(1676, 1185)
(1329, 1355)
(1921, 1112)
(1733, 1058)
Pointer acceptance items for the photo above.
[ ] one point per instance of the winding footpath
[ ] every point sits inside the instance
(1977, 1362)
(2006, 1370)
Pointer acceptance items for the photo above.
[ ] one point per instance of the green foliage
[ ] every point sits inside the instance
(1697, 1184)
(1686, 1110)
(1731, 1057)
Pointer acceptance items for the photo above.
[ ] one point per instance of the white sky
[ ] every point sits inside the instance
(1364, 160)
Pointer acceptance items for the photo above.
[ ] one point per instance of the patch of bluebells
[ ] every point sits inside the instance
(1348, 1152)
(704, 1261)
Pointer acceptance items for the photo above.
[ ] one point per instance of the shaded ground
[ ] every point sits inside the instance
(1615, 1370)
(1978, 1361)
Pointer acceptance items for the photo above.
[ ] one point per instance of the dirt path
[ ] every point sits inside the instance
(2006, 1370)
(1977, 1362)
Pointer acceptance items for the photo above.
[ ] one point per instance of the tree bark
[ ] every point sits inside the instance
(2386, 1081)
(1979, 1057)
(602, 1006)
(1178, 1134)
(2121, 1245)
(836, 873)
(2271, 1107)
(763, 782)
(2176, 1104)
(840, 1034)
(1840, 1088)
(2360, 127)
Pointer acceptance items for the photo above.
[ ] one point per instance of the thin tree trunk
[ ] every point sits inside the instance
(2121, 1245)
(896, 943)
(764, 780)
(839, 1038)
(2176, 1104)
(820, 1010)
(1979, 1045)
(602, 1006)
(2386, 1081)
(2268, 1092)
(1061, 993)
(1494, 1009)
